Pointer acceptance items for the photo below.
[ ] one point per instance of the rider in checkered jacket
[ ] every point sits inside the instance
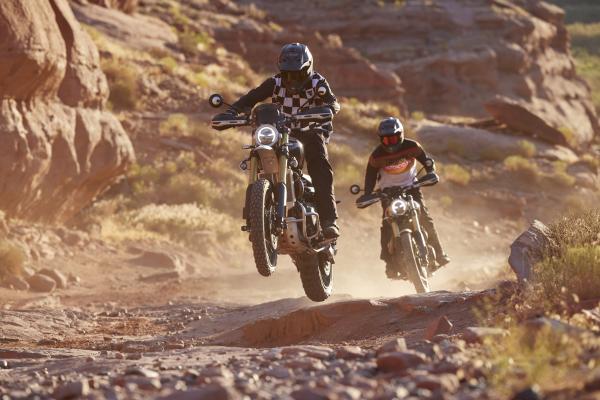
(294, 88)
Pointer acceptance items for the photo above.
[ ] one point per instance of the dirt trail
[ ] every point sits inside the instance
(199, 315)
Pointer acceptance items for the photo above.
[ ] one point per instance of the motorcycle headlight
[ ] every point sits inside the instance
(398, 207)
(266, 135)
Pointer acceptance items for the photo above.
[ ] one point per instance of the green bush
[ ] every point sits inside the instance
(456, 174)
(576, 271)
(12, 259)
(526, 148)
(175, 125)
(123, 84)
(524, 169)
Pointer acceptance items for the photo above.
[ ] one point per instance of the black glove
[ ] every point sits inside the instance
(366, 200)
(363, 198)
(430, 178)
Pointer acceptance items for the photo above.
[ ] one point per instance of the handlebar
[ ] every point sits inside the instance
(314, 115)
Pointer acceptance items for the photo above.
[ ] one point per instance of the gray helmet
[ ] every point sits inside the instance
(295, 64)
(391, 133)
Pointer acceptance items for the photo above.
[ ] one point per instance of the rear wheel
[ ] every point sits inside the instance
(416, 274)
(261, 216)
(316, 273)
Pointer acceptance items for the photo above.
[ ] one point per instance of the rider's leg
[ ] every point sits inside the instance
(321, 173)
(427, 224)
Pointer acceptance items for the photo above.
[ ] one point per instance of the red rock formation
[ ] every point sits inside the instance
(128, 6)
(58, 147)
(455, 56)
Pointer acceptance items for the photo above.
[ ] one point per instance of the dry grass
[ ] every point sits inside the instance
(123, 84)
(175, 125)
(12, 259)
(524, 170)
(455, 173)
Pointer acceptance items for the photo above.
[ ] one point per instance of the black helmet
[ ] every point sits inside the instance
(391, 133)
(295, 64)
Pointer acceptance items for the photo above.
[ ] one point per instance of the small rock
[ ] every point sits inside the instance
(4, 364)
(16, 282)
(140, 371)
(445, 382)
(278, 372)
(134, 356)
(57, 276)
(441, 325)
(213, 391)
(398, 344)
(311, 394)
(478, 334)
(400, 360)
(305, 364)
(320, 352)
(41, 283)
(349, 352)
(531, 393)
(72, 390)
(158, 259)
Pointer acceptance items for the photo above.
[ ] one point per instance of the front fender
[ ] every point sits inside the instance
(268, 159)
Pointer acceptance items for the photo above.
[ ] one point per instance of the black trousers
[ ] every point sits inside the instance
(320, 171)
(426, 223)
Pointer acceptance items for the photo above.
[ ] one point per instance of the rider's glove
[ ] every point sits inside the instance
(429, 165)
(363, 198)
(430, 178)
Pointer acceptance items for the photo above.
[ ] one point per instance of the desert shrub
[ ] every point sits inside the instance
(526, 357)
(575, 272)
(446, 201)
(560, 177)
(174, 125)
(577, 229)
(526, 170)
(189, 188)
(526, 148)
(169, 63)
(588, 66)
(192, 42)
(456, 174)
(12, 259)
(417, 115)
(123, 84)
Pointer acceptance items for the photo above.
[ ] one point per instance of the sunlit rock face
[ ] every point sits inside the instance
(59, 147)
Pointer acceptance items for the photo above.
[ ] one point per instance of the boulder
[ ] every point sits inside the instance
(528, 249)
(458, 55)
(439, 326)
(395, 345)
(520, 117)
(59, 147)
(16, 282)
(71, 390)
(159, 259)
(140, 32)
(128, 6)
(41, 283)
(56, 276)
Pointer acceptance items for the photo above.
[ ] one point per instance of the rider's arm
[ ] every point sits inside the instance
(261, 93)
(370, 178)
(425, 159)
(329, 98)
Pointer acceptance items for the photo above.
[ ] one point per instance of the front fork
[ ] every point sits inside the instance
(417, 233)
(280, 189)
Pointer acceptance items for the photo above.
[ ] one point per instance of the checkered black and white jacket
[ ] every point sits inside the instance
(291, 104)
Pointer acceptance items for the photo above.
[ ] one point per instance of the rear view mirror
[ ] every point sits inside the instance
(355, 189)
(215, 100)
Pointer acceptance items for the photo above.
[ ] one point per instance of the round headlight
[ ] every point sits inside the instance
(398, 207)
(266, 135)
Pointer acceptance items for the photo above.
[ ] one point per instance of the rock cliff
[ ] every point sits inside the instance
(59, 148)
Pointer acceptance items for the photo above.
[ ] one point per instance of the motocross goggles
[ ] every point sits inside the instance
(390, 140)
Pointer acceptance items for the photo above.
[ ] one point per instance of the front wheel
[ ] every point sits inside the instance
(404, 249)
(262, 235)
(316, 273)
